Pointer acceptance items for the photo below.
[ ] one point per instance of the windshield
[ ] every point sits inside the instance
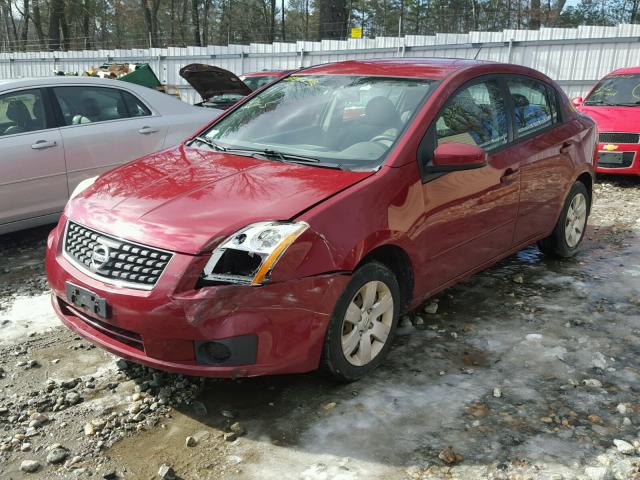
(254, 83)
(616, 90)
(345, 121)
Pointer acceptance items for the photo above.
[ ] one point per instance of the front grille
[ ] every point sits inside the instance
(120, 261)
(627, 161)
(608, 137)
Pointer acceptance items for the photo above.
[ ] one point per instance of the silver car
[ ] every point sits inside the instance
(56, 132)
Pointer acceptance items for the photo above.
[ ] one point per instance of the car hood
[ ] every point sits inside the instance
(187, 200)
(614, 119)
(209, 81)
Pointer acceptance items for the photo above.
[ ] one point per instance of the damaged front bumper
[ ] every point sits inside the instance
(219, 331)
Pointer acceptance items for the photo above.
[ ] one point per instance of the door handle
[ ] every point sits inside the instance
(42, 144)
(509, 176)
(564, 149)
(147, 130)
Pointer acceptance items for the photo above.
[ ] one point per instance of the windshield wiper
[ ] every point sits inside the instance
(288, 157)
(219, 148)
(267, 153)
(626, 104)
(597, 102)
(301, 159)
(209, 143)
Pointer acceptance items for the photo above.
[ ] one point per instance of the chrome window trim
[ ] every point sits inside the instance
(110, 281)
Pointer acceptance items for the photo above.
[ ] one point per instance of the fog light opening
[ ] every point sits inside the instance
(215, 352)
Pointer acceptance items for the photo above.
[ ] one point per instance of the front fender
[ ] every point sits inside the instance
(314, 254)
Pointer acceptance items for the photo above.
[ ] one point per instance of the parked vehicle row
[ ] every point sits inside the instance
(291, 232)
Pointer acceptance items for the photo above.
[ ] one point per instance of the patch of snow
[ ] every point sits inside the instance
(26, 315)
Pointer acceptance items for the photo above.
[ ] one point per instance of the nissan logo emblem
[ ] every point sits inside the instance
(99, 256)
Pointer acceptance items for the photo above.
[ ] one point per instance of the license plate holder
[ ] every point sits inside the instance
(610, 157)
(83, 298)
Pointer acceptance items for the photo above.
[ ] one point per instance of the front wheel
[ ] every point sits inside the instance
(568, 233)
(363, 324)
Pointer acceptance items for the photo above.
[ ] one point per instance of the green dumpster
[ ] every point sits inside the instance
(142, 75)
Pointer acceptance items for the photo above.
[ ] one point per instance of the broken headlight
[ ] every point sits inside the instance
(249, 255)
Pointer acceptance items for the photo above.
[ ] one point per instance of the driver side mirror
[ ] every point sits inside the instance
(450, 157)
(577, 101)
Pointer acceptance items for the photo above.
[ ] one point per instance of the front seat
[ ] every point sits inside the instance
(412, 99)
(121, 108)
(381, 114)
(380, 118)
(38, 116)
(19, 114)
(89, 112)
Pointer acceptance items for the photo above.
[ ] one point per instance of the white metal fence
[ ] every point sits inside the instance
(575, 58)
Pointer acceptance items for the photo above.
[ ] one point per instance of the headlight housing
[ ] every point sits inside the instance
(248, 256)
(82, 186)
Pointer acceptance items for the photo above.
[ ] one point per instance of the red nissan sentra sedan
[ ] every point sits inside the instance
(289, 235)
(614, 104)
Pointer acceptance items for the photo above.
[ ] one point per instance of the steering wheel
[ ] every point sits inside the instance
(383, 137)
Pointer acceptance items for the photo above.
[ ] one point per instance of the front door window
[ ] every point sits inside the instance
(475, 115)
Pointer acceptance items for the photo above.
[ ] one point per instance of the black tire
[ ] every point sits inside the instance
(333, 362)
(556, 245)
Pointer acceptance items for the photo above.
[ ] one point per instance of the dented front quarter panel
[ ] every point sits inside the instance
(289, 318)
(343, 229)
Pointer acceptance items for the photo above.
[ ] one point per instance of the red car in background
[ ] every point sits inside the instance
(290, 235)
(614, 104)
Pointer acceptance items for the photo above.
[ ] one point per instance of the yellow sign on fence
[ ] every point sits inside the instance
(356, 32)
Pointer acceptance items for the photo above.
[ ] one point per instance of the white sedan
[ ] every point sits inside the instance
(56, 132)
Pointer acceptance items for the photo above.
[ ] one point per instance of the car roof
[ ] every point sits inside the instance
(624, 71)
(432, 68)
(161, 102)
(62, 80)
(267, 73)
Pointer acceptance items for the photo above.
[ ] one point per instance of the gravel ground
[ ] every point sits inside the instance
(527, 370)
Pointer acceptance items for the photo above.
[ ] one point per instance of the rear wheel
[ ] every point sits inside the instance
(568, 233)
(363, 324)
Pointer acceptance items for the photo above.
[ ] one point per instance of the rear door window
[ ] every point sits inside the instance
(22, 112)
(534, 106)
(81, 105)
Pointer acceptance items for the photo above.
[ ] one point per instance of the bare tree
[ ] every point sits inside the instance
(150, 9)
(272, 21)
(24, 29)
(195, 19)
(36, 18)
(284, 34)
(534, 15)
(333, 18)
(56, 12)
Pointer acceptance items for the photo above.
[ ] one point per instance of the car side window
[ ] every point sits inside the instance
(474, 115)
(82, 105)
(22, 112)
(534, 108)
(135, 107)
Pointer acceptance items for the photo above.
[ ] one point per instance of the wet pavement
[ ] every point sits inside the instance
(527, 370)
